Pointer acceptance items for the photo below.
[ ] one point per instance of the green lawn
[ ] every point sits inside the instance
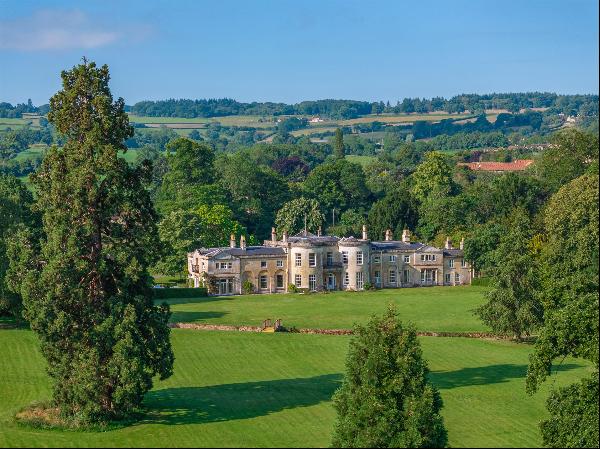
(430, 308)
(239, 389)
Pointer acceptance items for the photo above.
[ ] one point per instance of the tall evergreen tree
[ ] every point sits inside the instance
(386, 399)
(90, 298)
(338, 144)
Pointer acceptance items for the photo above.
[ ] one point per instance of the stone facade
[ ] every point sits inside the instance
(320, 262)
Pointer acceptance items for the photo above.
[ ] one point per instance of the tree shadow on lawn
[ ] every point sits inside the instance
(484, 375)
(181, 316)
(218, 403)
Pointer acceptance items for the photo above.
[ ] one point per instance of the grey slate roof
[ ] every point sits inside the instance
(396, 245)
(312, 238)
(239, 252)
(454, 252)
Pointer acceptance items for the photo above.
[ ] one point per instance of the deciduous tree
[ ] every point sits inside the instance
(294, 214)
(513, 307)
(569, 295)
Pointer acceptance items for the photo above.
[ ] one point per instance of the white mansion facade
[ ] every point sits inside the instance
(321, 262)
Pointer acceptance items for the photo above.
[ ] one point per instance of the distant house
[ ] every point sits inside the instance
(498, 167)
(325, 262)
(316, 120)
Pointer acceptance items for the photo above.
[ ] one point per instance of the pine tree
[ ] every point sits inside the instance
(90, 299)
(386, 399)
(338, 144)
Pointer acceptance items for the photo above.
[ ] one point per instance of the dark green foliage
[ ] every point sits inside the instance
(189, 176)
(572, 154)
(385, 399)
(344, 109)
(89, 296)
(339, 184)
(338, 144)
(573, 418)
(349, 223)
(481, 244)
(296, 214)
(396, 211)
(512, 307)
(16, 218)
(569, 292)
(255, 193)
(170, 293)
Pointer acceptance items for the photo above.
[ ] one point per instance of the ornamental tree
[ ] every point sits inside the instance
(386, 399)
(89, 297)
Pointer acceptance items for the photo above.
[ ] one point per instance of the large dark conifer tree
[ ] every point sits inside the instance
(90, 300)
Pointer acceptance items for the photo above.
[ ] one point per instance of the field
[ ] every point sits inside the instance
(256, 121)
(238, 389)
(429, 308)
(362, 160)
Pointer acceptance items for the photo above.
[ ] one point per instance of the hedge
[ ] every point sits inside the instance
(481, 282)
(168, 293)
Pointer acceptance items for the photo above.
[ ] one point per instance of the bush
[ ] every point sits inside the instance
(169, 293)
(369, 286)
(292, 288)
(481, 282)
(247, 287)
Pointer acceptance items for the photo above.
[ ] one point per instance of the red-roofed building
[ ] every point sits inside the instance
(516, 165)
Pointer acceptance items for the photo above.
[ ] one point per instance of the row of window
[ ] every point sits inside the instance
(391, 258)
(449, 278)
(312, 260)
(359, 279)
(263, 264)
(312, 281)
(263, 281)
(392, 277)
(426, 276)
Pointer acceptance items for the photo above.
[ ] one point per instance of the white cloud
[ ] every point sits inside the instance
(55, 30)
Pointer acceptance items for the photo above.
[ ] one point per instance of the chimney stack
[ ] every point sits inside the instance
(406, 236)
(232, 241)
(364, 234)
(273, 235)
(243, 242)
(448, 243)
(319, 232)
(284, 237)
(462, 243)
(388, 235)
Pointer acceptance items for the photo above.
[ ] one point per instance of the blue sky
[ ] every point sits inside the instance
(299, 50)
